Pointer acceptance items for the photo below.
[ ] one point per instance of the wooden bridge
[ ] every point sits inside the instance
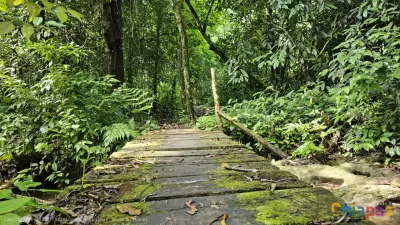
(191, 177)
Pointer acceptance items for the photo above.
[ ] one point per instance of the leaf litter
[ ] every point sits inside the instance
(129, 209)
(78, 207)
(193, 208)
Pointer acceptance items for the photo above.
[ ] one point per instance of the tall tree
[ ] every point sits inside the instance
(178, 5)
(113, 36)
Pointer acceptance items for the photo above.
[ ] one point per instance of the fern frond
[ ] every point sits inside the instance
(118, 132)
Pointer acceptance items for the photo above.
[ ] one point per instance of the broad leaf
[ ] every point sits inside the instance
(12, 205)
(34, 10)
(75, 14)
(48, 4)
(15, 2)
(25, 185)
(10, 219)
(27, 30)
(37, 21)
(5, 194)
(6, 27)
(62, 16)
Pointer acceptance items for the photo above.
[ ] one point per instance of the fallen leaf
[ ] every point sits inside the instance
(224, 217)
(188, 203)
(128, 208)
(192, 210)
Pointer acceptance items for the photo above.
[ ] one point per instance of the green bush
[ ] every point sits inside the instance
(353, 107)
(56, 116)
(207, 123)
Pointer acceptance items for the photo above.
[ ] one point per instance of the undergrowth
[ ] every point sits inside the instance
(353, 107)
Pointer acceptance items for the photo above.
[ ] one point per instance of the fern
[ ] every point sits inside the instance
(118, 132)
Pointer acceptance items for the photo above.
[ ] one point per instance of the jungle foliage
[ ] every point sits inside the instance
(79, 78)
(334, 86)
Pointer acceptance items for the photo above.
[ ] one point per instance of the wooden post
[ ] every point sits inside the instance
(216, 100)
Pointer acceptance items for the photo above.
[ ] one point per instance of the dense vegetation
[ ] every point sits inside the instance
(79, 78)
(334, 87)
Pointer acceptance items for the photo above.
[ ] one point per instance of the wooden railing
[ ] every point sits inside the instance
(219, 114)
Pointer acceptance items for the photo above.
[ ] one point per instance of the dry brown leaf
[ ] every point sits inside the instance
(192, 210)
(128, 208)
(188, 203)
(224, 217)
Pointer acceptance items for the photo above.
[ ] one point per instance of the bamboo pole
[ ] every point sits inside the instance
(216, 99)
(252, 134)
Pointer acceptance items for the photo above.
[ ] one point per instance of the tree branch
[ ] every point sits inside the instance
(208, 15)
(221, 53)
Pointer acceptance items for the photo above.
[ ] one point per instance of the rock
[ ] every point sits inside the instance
(383, 173)
(396, 181)
(360, 168)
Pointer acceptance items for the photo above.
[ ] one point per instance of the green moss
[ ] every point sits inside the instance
(111, 216)
(136, 192)
(292, 206)
(129, 175)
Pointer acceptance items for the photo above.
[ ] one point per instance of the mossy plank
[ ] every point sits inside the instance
(223, 150)
(209, 159)
(290, 206)
(190, 164)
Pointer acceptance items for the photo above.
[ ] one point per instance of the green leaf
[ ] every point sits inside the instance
(54, 24)
(5, 194)
(392, 152)
(48, 4)
(75, 14)
(387, 149)
(25, 185)
(397, 149)
(27, 30)
(54, 166)
(6, 27)
(44, 129)
(10, 219)
(34, 10)
(37, 21)
(12, 205)
(384, 139)
(62, 17)
(3, 6)
(15, 2)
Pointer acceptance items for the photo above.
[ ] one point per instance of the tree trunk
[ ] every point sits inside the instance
(185, 58)
(180, 76)
(113, 36)
(156, 61)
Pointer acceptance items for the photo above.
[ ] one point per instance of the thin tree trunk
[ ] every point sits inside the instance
(156, 61)
(113, 36)
(185, 58)
(180, 76)
(202, 27)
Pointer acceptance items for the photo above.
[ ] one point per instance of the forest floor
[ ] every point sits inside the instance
(192, 177)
